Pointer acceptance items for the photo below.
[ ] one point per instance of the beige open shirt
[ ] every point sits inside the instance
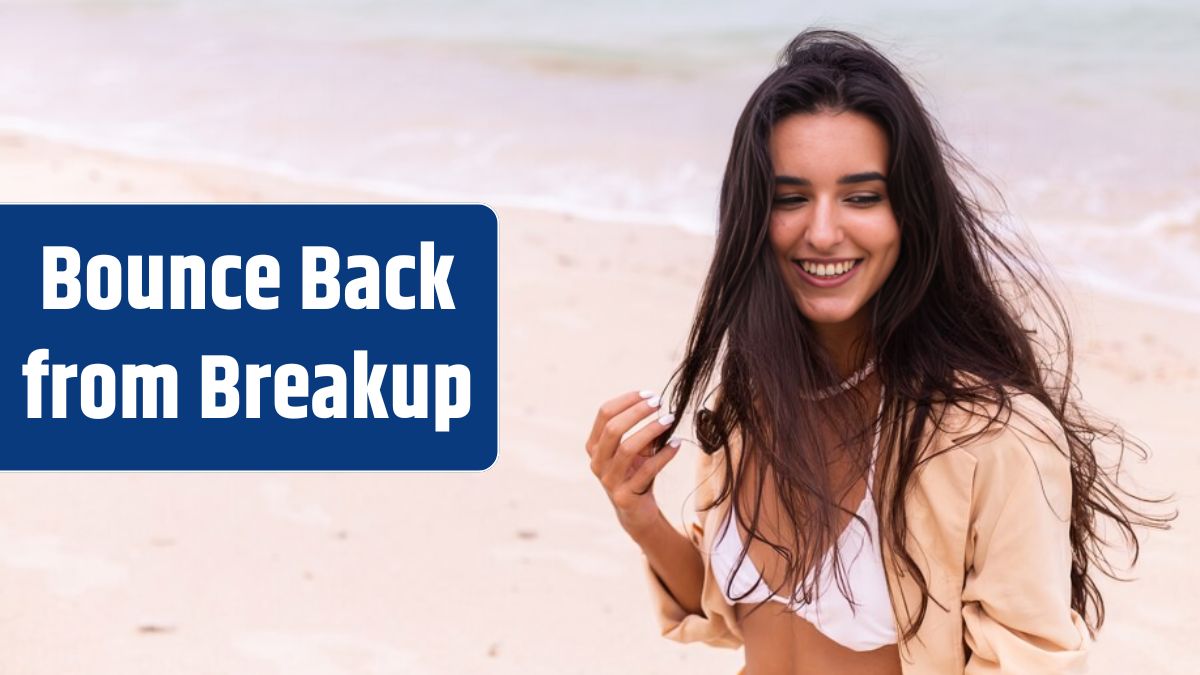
(989, 527)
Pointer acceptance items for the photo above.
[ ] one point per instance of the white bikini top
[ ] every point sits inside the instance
(867, 625)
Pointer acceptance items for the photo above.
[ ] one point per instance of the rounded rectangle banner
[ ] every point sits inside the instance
(249, 337)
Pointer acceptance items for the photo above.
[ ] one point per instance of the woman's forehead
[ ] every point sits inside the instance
(824, 146)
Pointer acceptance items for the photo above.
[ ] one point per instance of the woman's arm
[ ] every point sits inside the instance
(1017, 615)
(675, 561)
(677, 622)
(675, 571)
(621, 460)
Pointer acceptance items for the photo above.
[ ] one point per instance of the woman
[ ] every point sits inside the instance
(895, 478)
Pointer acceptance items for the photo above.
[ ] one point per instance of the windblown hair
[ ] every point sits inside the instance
(945, 329)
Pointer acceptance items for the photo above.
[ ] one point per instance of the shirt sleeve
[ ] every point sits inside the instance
(1017, 615)
(677, 623)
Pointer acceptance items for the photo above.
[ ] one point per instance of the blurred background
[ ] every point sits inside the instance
(624, 110)
(599, 133)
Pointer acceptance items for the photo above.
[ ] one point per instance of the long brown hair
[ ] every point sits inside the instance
(946, 328)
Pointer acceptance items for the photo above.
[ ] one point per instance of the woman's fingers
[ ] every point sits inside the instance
(610, 432)
(611, 409)
(633, 446)
(639, 483)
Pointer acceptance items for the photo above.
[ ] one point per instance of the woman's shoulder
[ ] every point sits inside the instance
(1009, 438)
(1003, 411)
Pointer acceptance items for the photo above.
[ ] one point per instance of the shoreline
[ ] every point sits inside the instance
(284, 184)
(279, 174)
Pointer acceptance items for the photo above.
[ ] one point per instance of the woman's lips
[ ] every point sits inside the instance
(827, 282)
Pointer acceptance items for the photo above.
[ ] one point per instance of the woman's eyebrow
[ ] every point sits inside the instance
(863, 177)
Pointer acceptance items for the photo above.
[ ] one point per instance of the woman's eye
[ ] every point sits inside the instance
(862, 200)
(789, 200)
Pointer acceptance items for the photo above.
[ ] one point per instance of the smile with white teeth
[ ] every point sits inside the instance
(828, 269)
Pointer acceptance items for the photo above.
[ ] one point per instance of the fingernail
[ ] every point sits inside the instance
(666, 419)
(675, 442)
(646, 393)
(654, 401)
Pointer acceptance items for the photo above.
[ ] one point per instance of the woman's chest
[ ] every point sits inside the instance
(936, 533)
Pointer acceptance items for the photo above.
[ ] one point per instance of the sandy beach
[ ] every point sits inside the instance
(519, 569)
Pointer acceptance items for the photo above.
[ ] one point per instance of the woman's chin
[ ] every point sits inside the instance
(828, 314)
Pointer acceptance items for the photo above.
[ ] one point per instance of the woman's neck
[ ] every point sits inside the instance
(843, 342)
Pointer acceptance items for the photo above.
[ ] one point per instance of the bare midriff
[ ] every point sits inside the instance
(779, 642)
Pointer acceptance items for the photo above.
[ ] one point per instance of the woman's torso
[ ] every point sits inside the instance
(780, 640)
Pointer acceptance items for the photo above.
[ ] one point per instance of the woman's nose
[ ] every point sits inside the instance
(824, 232)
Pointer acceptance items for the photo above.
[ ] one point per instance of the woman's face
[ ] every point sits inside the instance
(832, 227)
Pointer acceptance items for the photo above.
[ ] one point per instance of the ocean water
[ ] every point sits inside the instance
(1085, 114)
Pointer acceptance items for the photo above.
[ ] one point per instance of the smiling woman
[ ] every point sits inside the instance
(896, 477)
(832, 228)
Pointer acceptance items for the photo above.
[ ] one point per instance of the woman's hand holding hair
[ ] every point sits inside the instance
(626, 467)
